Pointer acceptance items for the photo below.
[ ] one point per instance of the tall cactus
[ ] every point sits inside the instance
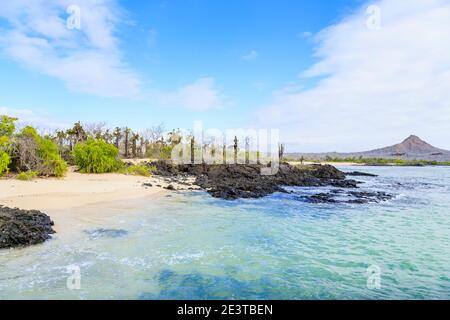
(127, 132)
(192, 150)
(281, 152)
(235, 147)
(247, 150)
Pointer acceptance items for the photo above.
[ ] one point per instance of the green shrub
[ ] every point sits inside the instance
(7, 125)
(96, 156)
(139, 170)
(5, 160)
(27, 176)
(37, 153)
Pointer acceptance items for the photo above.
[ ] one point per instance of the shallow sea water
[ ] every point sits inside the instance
(191, 246)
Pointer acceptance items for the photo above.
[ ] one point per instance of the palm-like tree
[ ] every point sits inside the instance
(117, 136)
(61, 136)
(127, 132)
(134, 140)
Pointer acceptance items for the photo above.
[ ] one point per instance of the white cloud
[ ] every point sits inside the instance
(201, 95)
(305, 34)
(252, 55)
(86, 60)
(379, 86)
(40, 120)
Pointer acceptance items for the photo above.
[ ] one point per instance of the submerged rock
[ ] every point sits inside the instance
(350, 197)
(106, 233)
(23, 227)
(360, 174)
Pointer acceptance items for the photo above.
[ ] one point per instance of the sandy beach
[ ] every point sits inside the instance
(335, 164)
(77, 190)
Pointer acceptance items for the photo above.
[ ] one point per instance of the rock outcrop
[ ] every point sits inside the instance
(23, 228)
(246, 181)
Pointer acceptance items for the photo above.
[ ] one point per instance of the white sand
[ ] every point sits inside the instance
(334, 164)
(77, 190)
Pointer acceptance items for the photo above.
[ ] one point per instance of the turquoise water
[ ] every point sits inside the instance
(190, 246)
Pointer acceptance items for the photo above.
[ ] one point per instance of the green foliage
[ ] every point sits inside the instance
(27, 175)
(7, 125)
(5, 160)
(160, 151)
(49, 161)
(96, 156)
(139, 170)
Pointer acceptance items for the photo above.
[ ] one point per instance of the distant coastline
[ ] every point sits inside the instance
(413, 151)
(370, 162)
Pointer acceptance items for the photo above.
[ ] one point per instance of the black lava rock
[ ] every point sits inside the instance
(23, 228)
(230, 182)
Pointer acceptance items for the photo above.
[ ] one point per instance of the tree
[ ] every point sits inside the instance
(192, 150)
(32, 152)
(5, 160)
(141, 146)
(281, 152)
(95, 129)
(134, 140)
(302, 159)
(76, 135)
(96, 156)
(107, 136)
(60, 138)
(127, 132)
(7, 126)
(117, 136)
(247, 150)
(235, 147)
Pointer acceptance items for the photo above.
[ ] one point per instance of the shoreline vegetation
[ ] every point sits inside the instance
(371, 162)
(90, 164)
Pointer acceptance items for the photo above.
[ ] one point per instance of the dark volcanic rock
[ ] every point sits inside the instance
(352, 197)
(360, 174)
(246, 181)
(22, 228)
(106, 233)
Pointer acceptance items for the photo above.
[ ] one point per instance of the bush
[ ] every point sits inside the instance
(7, 126)
(139, 170)
(5, 160)
(27, 176)
(159, 151)
(36, 153)
(96, 156)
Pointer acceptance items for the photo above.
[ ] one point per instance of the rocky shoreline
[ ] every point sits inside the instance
(231, 182)
(22, 227)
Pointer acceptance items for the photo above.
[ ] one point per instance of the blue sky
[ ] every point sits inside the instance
(237, 63)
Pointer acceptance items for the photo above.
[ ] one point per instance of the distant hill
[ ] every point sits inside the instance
(412, 148)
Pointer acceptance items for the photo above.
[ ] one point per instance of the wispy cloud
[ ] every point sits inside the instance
(252, 55)
(305, 34)
(201, 95)
(38, 119)
(378, 86)
(87, 60)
